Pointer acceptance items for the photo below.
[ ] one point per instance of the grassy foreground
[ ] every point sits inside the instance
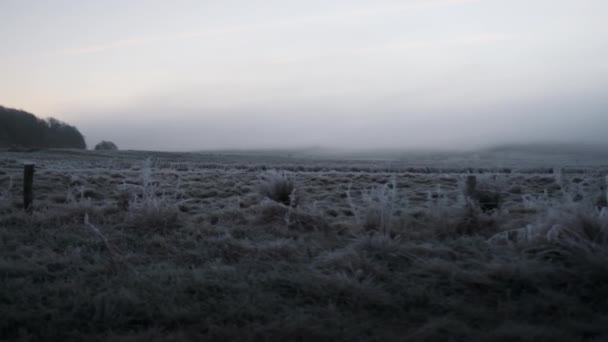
(136, 264)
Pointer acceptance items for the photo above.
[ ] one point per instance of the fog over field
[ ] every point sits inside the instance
(192, 75)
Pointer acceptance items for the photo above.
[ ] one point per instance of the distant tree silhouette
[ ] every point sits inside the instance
(23, 129)
(106, 146)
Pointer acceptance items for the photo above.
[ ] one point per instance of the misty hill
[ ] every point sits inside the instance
(553, 149)
(513, 154)
(22, 129)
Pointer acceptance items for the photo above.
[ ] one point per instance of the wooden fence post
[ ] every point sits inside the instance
(28, 188)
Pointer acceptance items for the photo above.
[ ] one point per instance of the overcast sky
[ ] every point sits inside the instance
(191, 75)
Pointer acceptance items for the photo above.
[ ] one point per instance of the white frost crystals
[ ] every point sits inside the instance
(148, 204)
(281, 187)
(6, 196)
(572, 225)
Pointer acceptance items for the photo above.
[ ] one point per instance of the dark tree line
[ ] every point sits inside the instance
(22, 129)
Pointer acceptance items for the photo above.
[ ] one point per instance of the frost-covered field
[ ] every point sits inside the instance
(166, 246)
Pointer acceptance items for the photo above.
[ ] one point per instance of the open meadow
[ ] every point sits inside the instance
(150, 246)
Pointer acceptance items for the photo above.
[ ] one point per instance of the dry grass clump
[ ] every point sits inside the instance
(573, 228)
(383, 209)
(281, 187)
(377, 209)
(148, 207)
(560, 220)
(476, 211)
(487, 191)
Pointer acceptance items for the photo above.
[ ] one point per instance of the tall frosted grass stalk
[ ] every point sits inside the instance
(116, 257)
(7, 195)
(98, 233)
(146, 179)
(392, 200)
(147, 198)
(378, 207)
(150, 199)
(293, 200)
(558, 176)
(351, 204)
(606, 189)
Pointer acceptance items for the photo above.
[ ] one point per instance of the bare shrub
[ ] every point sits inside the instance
(106, 146)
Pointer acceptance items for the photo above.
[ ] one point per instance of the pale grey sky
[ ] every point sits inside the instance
(183, 75)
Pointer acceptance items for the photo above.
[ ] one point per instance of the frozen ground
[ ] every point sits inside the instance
(176, 246)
